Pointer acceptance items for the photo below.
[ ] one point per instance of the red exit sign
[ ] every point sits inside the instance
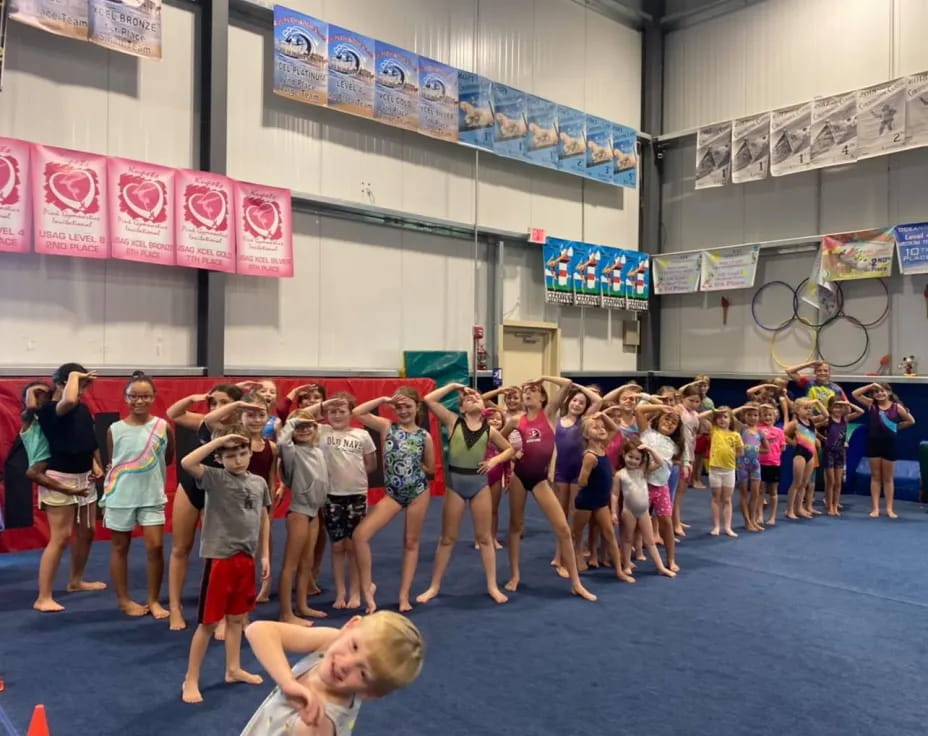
(536, 235)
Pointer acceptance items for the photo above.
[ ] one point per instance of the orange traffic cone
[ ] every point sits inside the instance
(38, 726)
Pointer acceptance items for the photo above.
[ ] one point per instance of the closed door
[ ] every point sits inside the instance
(529, 350)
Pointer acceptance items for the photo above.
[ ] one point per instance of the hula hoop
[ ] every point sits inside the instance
(885, 309)
(785, 323)
(773, 341)
(863, 354)
(839, 302)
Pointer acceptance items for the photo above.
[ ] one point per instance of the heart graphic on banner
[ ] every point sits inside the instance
(7, 178)
(264, 219)
(208, 208)
(145, 198)
(74, 188)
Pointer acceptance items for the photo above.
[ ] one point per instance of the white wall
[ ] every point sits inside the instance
(67, 93)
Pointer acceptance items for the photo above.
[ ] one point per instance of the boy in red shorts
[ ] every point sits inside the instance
(235, 527)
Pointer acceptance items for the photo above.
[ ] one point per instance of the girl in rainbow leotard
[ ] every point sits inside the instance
(801, 431)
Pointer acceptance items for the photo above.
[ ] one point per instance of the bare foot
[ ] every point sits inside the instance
(699, 484)
(805, 514)
(814, 512)
(685, 525)
(666, 573)
(220, 633)
(497, 595)
(47, 605)
(85, 585)
(513, 585)
(831, 512)
(731, 533)
(177, 621)
(674, 567)
(771, 522)
(580, 591)
(240, 675)
(582, 566)
(678, 532)
(339, 603)
(594, 563)
(714, 532)
(190, 692)
(264, 593)
(314, 590)
(295, 620)
(627, 571)
(427, 595)
(624, 577)
(640, 557)
(496, 544)
(157, 610)
(792, 517)
(310, 612)
(892, 514)
(131, 608)
(354, 601)
(370, 605)
(405, 606)
(874, 514)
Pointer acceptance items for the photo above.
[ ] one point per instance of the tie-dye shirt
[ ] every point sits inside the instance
(137, 475)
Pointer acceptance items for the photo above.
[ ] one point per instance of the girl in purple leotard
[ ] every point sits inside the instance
(834, 449)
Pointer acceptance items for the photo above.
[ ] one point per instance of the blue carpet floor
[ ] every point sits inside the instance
(811, 627)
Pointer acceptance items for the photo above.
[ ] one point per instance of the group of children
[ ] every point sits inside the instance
(592, 461)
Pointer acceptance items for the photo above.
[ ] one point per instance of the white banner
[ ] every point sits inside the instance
(750, 146)
(834, 129)
(676, 274)
(881, 118)
(728, 268)
(916, 110)
(790, 139)
(713, 155)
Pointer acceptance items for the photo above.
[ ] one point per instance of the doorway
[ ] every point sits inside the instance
(529, 350)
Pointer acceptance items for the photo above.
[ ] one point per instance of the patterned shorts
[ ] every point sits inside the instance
(343, 514)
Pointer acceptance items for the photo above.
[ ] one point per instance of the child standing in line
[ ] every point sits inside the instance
(703, 441)
(235, 526)
(688, 409)
(886, 417)
(498, 477)
(266, 390)
(725, 447)
(801, 431)
(408, 462)
(747, 473)
(834, 450)
(769, 464)
(140, 446)
(304, 471)
(35, 396)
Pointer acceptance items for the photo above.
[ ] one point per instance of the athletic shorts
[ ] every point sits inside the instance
(659, 498)
(721, 478)
(748, 470)
(834, 457)
(882, 448)
(770, 473)
(48, 497)
(343, 514)
(228, 588)
(125, 520)
(702, 445)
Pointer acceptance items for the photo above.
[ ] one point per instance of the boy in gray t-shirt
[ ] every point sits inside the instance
(235, 527)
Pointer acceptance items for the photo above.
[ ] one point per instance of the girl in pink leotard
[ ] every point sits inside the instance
(499, 477)
(531, 472)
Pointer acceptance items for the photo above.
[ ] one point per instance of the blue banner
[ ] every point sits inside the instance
(558, 260)
(541, 138)
(912, 247)
(571, 144)
(438, 100)
(508, 121)
(351, 72)
(637, 279)
(475, 116)
(610, 277)
(301, 54)
(598, 149)
(396, 86)
(625, 156)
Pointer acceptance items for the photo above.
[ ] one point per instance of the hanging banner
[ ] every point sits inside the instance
(867, 254)
(351, 72)
(637, 278)
(750, 144)
(916, 110)
(912, 248)
(558, 263)
(676, 274)
(301, 57)
(598, 149)
(881, 118)
(141, 211)
(61, 17)
(509, 128)
(396, 86)
(571, 143)
(586, 275)
(834, 129)
(475, 116)
(612, 286)
(129, 26)
(69, 197)
(713, 155)
(15, 219)
(203, 221)
(263, 231)
(728, 268)
(625, 156)
(438, 100)
(790, 141)
(541, 136)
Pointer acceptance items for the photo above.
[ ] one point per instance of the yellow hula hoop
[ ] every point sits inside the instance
(813, 332)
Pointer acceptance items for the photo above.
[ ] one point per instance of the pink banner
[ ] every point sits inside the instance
(203, 220)
(69, 201)
(141, 211)
(264, 231)
(15, 223)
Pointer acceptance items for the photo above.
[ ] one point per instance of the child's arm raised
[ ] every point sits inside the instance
(223, 414)
(854, 413)
(71, 396)
(363, 413)
(442, 412)
(644, 412)
(594, 400)
(193, 463)
(179, 414)
(793, 372)
(860, 393)
(553, 409)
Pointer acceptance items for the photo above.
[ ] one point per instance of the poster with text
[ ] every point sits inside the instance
(713, 155)
(61, 17)
(396, 86)
(866, 254)
(475, 116)
(559, 259)
(263, 230)
(790, 139)
(203, 221)
(15, 194)
(351, 72)
(912, 248)
(301, 57)
(141, 211)
(509, 128)
(438, 100)
(728, 268)
(128, 26)
(571, 140)
(676, 274)
(834, 129)
(613, 288)
(624, 156)
(637, 278)
(541, 138)
(916, 110)
(750, 145)
(69, 202)
(881, 118)
(598, 149)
